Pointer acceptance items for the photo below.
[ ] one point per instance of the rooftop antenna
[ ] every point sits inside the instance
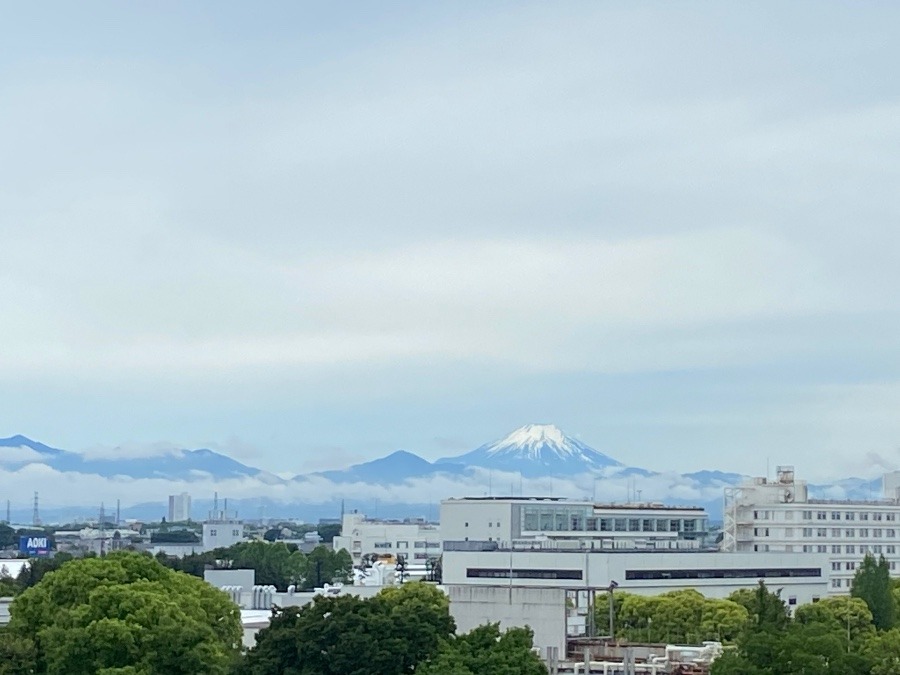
(35, 515)
(118, 512)
(215, 511)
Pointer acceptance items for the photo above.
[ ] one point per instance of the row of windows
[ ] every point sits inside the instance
(405, 544)
(749, 573)
(515, 573)
(561, 519)
(835, 549)
(834, 532)
(830, 515)
(214, 533)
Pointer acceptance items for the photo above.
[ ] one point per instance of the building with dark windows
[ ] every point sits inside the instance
(523, 522)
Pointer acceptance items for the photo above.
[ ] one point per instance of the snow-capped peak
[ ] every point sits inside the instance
(532, 439)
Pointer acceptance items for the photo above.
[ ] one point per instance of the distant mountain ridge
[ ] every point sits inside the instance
(177, 464)
(533, 460)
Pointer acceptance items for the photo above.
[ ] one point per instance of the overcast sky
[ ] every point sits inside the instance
(311, 234)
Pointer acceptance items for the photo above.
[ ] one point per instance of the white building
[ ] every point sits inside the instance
(778, 516)
(417, 540)
(519, 588)
(179, 508)
(522, 522)
(222, 533)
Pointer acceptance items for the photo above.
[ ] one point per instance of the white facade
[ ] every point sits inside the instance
(503, 522)
(778, 516)
(417, 541)
(803, 578)
(222, 533)
(179, 508)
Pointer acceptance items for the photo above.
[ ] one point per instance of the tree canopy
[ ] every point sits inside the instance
(872, 584)
(124, 613)
(403, 629)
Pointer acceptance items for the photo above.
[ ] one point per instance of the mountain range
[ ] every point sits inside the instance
(536, 459)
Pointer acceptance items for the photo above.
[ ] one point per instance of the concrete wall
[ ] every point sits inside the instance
(542, 609)
(243, 578)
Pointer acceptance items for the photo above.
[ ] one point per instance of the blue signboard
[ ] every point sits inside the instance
(34, 546)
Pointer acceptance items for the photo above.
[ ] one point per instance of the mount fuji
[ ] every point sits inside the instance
(537, 450)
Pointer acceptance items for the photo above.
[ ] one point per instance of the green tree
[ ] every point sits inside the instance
(486, 651)
(848, 616)
(872, 584)
(126, 611)
(325, 566)
(386, 635)
(883, 651)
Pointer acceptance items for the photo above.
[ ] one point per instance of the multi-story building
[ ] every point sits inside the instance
(179, 508)
(778, 515)
(415, 539)
(530, 522)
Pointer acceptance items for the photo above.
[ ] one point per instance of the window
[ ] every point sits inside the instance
(634, 525)
(891, 516)
(876, 516)
(807, 515)
(822, 532)
(822, 548)
(876, 533)
(835, 567)
(619, 524)
(591, 524)
(850, 515)
(835, 583)
(848, 582)
(863, 516)
(235, 533)
(891, 549)
(383, 544)
(850, 566)
(863, 532)
(719, 573)
(835, 532)
(821, 515)
(877, 549)
(419, 544)
(807, 531)
(506, 573)
(851, 549)
(212, 533)
(890, 533)
(647, 525)
(835, 515)
(792, 600)
(490, 524)
(467, 524)
(849, 533)
(807, 548)
(760, 531)
(836, 548)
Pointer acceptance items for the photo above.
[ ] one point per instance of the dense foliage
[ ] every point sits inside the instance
(684, 617)
(835, 636)
(403, 629)
(124, 613)
(277, 564)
